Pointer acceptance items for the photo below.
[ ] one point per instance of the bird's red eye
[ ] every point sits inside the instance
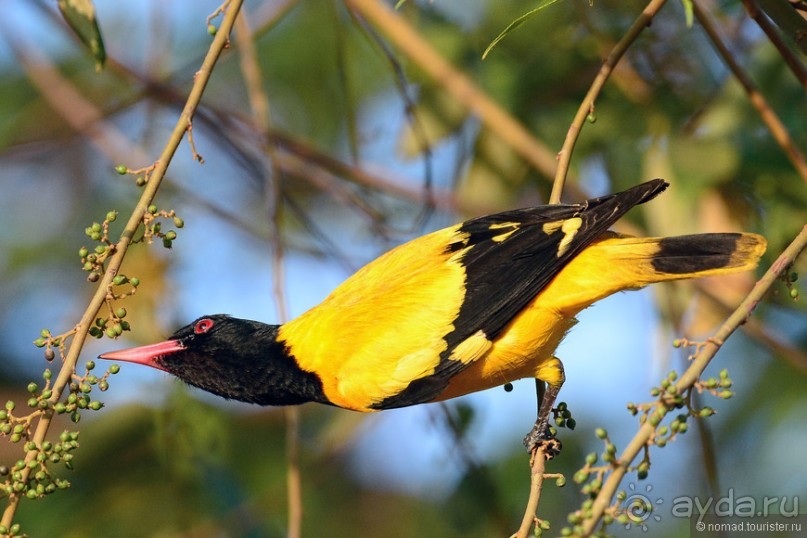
(203, 325)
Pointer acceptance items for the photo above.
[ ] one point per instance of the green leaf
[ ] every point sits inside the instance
(80, 16)
(688, 12)
(516, 23)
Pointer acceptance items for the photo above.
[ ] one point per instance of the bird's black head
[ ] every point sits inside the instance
(231, 357)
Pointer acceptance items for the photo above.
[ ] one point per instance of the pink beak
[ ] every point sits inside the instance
(146, 355)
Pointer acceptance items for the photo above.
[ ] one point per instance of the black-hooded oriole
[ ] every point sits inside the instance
(462, 309)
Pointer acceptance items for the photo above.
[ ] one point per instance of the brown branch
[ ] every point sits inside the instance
(261, 111)
(795, 65)
(692, 374)
(493, 116)
(587, 105)
(537, 475)
(769, 117)
(121, 247)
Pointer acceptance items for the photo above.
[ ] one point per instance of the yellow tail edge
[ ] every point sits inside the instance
(615, 263)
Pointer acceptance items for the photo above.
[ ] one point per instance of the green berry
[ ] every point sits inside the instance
(706, 412)
(178, 222)
(561, 481)
(3, 415)
(111, 333)
(794, 293)
(725, 394)
(89, 365)
(601, 433)
(111, 216)
(152, 209)
(99, 249)
(571, 423)
(121, 169)
(39, 342)
(47, 393)
(120, 312)
(135, 281)
(171, 235)
(167, 243)
(119, 280)
(32, 388)
(140, 181)
(95, 332)
(95, 236)
(580, 476)
(96, 227)
(114, 369)
(33, 402)
(591, 458)
(95, 405)
(724, 373)
(125, 325)
(677, 343)
(103, 385)
(211, 29)
(10, 405)
(87, 266)
(59, 407)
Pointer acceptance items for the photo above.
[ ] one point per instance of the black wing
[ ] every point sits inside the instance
(512, 256)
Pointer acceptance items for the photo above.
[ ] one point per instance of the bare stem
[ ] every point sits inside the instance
(795, 65)
(587, 105)
(537, 470)
(766, 113)
(121, 247)
(261, 111)
(692, 374)
(462, 88)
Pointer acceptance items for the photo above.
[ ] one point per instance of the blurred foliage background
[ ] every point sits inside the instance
(358, 133)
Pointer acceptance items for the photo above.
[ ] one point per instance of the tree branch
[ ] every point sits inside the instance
(692, 374)
(121, 247)
(587, 105)
(769, 117)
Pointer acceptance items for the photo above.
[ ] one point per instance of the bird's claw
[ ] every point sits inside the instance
(542, 439)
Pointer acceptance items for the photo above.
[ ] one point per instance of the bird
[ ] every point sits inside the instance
(466, 308)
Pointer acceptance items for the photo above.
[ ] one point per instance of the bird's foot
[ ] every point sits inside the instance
(543, 439)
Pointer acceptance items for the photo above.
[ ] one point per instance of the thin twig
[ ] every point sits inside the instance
(537, 475)
(493, 116)
(121, 247)
(692, 374)
(795, 65)
(769, 117)
(587, 105)
(261, 111)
